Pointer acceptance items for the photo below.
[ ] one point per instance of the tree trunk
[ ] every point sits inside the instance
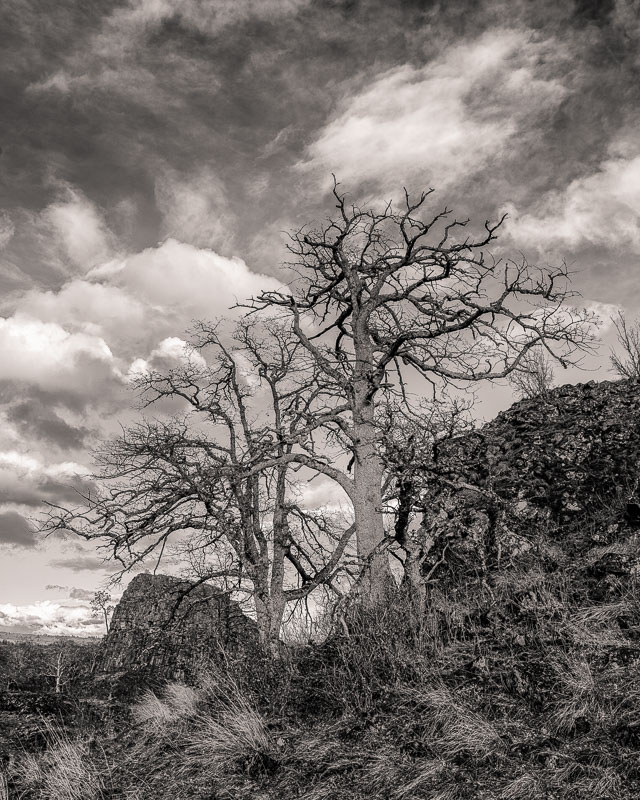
(269, 614)
(413, 581)
(367, 501)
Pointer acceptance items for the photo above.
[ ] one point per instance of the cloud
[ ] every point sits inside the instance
(80, 563)
(195, 208)
(27, 480)
(171, 352)
(16, 531)
(73, 592)
(604, 312)
(52, 617)
(79, 228)
(184, 281)
(7, 229)
(91, 307)
(46, 355)
(110, 59)
(440, 123)
(601, 208)
(37, 420)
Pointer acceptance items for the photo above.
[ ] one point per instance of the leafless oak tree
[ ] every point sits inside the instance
(227, 471)
(384, 296)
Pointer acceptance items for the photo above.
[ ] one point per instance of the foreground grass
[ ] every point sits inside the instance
(528, 688)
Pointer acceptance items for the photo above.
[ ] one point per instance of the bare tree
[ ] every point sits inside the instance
(534, 376)
(101, 607)
(227, 471)
(412, 439)
(627, 364)
(384, 296)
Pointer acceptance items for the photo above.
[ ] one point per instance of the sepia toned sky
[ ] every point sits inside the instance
(153, 152)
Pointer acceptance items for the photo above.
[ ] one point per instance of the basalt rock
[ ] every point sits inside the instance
(164, 627)
(550, 481)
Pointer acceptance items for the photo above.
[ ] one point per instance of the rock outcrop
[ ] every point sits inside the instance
(164, 627)
(549, 480)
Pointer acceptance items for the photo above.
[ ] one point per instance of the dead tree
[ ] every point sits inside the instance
(227, 472)
(383, 297)
(627, 363)
(534, 376)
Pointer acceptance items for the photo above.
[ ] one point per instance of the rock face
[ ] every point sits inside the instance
(549, 479)
(164, 627)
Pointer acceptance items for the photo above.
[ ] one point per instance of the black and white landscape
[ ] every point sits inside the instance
(319, 363)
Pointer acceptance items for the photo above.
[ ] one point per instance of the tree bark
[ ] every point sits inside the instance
(367, 501)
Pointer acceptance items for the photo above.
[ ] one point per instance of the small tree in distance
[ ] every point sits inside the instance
(534, 376)
(101, 607)
(627, 364)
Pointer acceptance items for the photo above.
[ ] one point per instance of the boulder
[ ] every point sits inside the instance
(164, 627)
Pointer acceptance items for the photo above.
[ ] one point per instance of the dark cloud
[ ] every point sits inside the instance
(16, 531)
(34, 489)
(73, 592)
(55, 587)
(80, 563)
(36, 419)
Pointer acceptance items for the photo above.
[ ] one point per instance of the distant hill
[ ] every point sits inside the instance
(8, 635)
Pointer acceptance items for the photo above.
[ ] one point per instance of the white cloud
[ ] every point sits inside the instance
(185, 281)
(440, 123)
(604, 313)
(96, 309)
(79, 228)
(84, 334)
(602, 208)
(48, 356)
(53, 617)
(169, 353)
(194, 208)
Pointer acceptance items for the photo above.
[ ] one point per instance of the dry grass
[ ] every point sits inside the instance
(230, 734)
(64, 771)
(158, 714)
(4, 788)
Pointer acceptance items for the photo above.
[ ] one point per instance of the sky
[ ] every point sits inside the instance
(155, 152)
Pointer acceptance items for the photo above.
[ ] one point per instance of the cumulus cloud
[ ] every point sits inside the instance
(27, 480)
(601, 208)
(185, 281)
(52, 617)
(16, 531)
(440, 123)
(94, 308)
(46, 355)
(171, 352)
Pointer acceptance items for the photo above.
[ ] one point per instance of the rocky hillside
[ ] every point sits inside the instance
(549, 483)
